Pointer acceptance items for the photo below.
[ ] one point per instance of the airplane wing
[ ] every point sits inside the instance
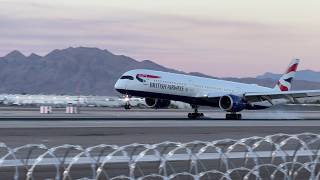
(290, 95)
(266, 96)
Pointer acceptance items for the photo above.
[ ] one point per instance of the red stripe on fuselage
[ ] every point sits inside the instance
(148, 76)
(292, 68)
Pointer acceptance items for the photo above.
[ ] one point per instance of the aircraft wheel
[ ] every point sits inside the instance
(233, 116)
(127, 106)
(195, 115)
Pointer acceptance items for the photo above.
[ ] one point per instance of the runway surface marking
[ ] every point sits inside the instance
(146, 123)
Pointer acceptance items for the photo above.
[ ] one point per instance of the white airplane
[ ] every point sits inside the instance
(159, 88)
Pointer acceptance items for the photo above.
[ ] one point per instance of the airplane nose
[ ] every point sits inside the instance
(117, 85)
(120, 86)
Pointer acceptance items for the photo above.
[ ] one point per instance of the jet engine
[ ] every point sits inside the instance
(232, 103)
(157, 103)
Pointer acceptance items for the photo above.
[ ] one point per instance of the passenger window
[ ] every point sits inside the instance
(127, 77)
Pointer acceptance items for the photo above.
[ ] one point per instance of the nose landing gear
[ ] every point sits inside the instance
(195, 114)
(127, 104)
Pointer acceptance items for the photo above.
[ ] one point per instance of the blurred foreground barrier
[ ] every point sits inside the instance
(279, 156)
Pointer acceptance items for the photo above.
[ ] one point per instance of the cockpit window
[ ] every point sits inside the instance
(127, 77)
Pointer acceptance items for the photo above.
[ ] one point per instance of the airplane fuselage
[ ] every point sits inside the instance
(180, 87)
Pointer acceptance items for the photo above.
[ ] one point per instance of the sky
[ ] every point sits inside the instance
(229, 38)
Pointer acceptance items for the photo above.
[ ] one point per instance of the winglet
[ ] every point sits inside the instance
(284, 83)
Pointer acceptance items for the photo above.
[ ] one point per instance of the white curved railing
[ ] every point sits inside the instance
(279, 156)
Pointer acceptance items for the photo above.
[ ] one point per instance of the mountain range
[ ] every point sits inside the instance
(91, 71)
(305, 75)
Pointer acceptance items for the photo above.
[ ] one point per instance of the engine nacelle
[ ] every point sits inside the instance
(157, 103)
(232, 103)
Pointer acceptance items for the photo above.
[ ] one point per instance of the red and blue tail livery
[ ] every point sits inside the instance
(284, 83)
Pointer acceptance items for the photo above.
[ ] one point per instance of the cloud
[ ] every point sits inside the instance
(191, 43)
(142, 28)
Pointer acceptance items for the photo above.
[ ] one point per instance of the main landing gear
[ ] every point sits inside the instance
(195, 114)
(233, 116)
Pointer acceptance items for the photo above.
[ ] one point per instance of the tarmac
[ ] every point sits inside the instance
(93, 126)
(19, 126)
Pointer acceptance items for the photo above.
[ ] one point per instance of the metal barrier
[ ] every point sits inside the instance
(279, 156)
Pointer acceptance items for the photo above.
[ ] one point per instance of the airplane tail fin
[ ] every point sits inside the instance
(284, 83)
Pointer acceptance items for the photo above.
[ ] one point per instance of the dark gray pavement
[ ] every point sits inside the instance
(116, 126)
(97, 126)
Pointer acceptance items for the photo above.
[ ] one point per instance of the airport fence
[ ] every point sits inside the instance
(278, 156)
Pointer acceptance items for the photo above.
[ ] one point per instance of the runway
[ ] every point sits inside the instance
(89, 136)
(91, 127)
(116, 126)
(277, 113)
